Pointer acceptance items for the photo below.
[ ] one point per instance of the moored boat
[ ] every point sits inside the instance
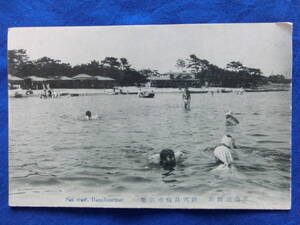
(146, 94)
(18, 95)
(226, 91)
(199, 92)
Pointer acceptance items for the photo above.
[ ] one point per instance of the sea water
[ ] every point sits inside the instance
(53, 149)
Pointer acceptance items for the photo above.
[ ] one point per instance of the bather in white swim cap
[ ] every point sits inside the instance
(228, 113)
(228, 141)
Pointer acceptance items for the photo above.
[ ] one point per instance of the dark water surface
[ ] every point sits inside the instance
(53, 149)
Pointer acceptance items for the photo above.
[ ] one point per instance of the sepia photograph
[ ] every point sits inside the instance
(151, 116)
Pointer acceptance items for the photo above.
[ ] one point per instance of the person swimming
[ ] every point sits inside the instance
(222, 152)
(230, 119)
(167, 158)
(186, 96)
(88, 115)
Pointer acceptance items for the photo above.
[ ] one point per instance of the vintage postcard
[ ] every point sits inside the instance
(156, 116)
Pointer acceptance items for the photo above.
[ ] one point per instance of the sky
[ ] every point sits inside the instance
(267, 46)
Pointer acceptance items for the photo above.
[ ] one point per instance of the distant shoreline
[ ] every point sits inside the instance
(135, 90)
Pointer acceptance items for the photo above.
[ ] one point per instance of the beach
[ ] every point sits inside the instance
(135, 90)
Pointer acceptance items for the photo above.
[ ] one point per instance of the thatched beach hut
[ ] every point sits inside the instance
(174, 80)
(61, 82)
(83, 81)
(88, 81)
(104, 82)
(37, 82)
(15, 82)
(78, 81)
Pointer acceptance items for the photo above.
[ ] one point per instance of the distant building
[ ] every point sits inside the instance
(88, 81)
(78, 81)
(104, 82)
(83, 81)
(174, 80)
(61, 82)
(35, 82)
(15, 82)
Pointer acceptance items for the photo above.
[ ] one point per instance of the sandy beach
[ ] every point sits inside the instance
(135, 90)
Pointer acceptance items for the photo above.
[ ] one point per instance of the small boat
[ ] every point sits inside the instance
(128, 93)
(146, 94)
(64, 94)
(112, 92)
(18, 95)
(226, 91)
(198, 92)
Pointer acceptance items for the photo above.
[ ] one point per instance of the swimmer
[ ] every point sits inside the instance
(167, 158)
(222, 153)
(230, 119)
(88, 115)
(186, 96)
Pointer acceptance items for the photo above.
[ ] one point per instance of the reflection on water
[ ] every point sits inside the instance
(54, 149)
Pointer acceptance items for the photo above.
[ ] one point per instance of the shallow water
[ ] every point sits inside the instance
(53, 149)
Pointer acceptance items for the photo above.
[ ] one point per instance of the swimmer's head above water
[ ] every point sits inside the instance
(88, 114)
(230, 119)
(228, 141)
(167, 158)
(228, 114)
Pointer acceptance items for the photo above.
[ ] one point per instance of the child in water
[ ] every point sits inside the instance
(186, 98)
(230, 119)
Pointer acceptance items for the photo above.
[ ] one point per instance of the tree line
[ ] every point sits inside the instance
(234, 75)
(20, 65)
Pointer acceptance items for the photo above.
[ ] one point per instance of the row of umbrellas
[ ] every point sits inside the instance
(77, 77)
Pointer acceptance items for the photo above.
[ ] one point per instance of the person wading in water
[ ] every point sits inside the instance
(186, 96)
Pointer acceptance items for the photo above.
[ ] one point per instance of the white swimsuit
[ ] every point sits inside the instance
(223, 154)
